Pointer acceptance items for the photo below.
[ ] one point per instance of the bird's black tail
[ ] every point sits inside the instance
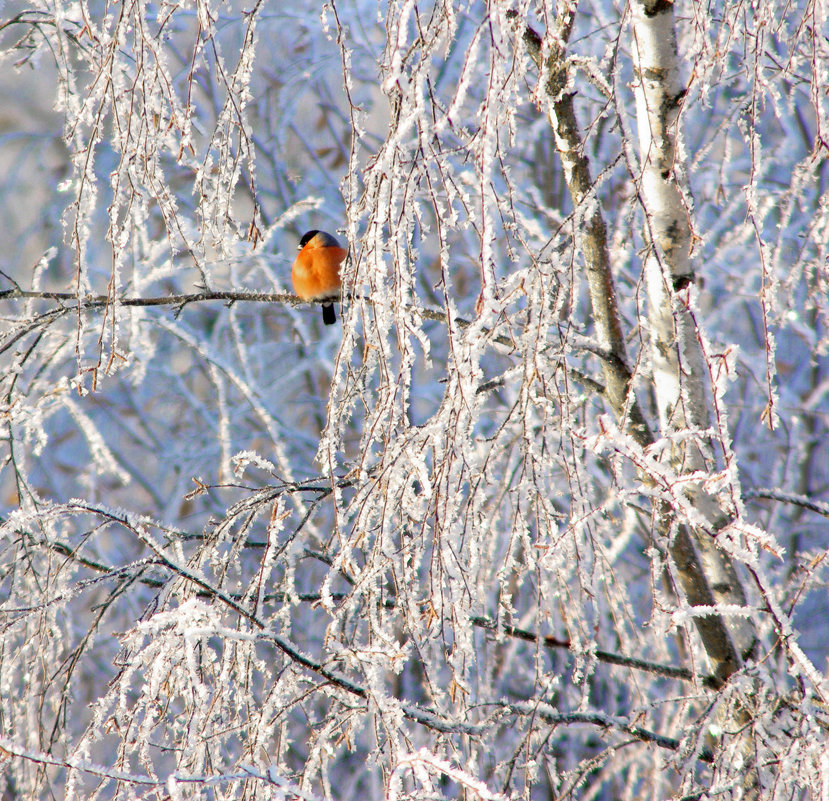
(328, 315)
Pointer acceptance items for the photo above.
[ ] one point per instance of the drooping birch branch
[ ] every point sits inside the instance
(261, 630)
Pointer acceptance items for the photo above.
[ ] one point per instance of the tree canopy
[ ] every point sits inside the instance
(543, 516)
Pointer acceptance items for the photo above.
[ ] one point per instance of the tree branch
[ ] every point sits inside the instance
(579, 343)
(552, 716)
(139, 566)
(789, 497)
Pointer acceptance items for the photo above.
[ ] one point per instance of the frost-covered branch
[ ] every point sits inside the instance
(589, 224)
(553, 717)
(71, 302)
(466, 541)
(788, 497)
(173, 783)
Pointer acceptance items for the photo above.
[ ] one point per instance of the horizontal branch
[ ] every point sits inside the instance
(788, 497)
(244, 773)
(608, 657)
(74, 301)
(549, 715)
(94, 301)
(10, 748)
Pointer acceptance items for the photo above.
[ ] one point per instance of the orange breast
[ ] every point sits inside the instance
(316, 272)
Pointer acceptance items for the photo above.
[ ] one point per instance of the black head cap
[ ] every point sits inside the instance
(306, 238)
(323, 240)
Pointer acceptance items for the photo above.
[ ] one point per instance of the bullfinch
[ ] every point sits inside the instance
(316, 270)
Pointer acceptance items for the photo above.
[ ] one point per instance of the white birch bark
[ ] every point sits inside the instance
(677, 358)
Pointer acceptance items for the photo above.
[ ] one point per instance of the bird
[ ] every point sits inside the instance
(316, 270)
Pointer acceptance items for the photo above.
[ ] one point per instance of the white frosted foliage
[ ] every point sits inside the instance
(541, 515)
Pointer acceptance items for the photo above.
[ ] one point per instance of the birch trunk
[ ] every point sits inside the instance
(678, 362)
(706, 576)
